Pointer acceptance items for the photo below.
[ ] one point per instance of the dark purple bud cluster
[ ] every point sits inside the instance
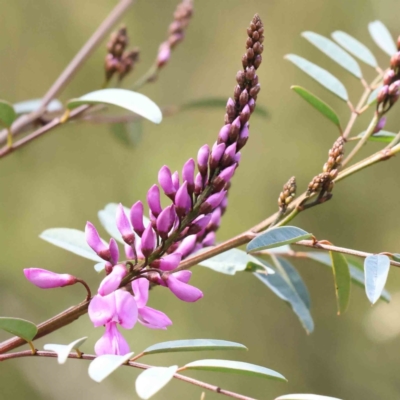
(390, 91)
(118, 59)
(176, 31)
(288, 194)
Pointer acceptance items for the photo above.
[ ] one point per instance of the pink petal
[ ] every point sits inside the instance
(114, 251)
(182, 290)
(47, 279)
(126, 309)
(102, 309)
(170, 262)
(112, 281)
(94, 241)
(112, 342)
(140, 289)
(153, 319)
(183, 276)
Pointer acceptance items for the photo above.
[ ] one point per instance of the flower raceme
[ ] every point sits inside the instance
(155, 248)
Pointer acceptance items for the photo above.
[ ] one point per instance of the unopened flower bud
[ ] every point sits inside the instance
(383, 95)
(209, 240)
(164, 54)
(199, 224)
(154, 201)
(223, 134)
(186, 246)
(112, 281)
(136, 216)
(124, 226)
(243, 137)
(240, 78)
(389, 77)
(212, 202)
(165, 181)
(198, 184)
(223, 178)
(182, 200)
(170, 262)
(245, 114)
(165, 221)
(188, 174)
(395, 61)
(229, 155)
(114, 251)
(149, 240)
(94, 241)
(243, 98)
(235, 129)
(202, 159)
(216, 154)
(288, 193)
(215, 220)
(320, 182)
(45, 279)
(380, 125)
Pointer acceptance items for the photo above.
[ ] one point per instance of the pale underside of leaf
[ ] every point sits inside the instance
(63, 351)
(102, 366)
(376, 269)
(152, 380)
(382, 37)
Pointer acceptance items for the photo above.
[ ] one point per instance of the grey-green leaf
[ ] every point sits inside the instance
(321, 75)
(19, 327)
(28, 106)
(334, 52)
(357, 275)
(382, 37)
(193, 345)
(276, 237)
(136, 102)
(376, 269)
(374, 94)
(318, 104)
(353, 46)
(278, 285)
(304, 396)
(72, 240)
(7, 113)
(63, 350)
(103, 366)
(381, 136)
(152, 380)
(341, 276)
(231, 261)
(235, 367)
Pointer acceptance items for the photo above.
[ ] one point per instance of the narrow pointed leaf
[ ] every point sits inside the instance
(103, 366)
(353, 46)
(235, 367)
(193, 345)
(28, 106)
(152, 380)
(289, 272)
(357, 275)
(72, 240)
(305, 397)
(276, 237)
(63, 350)
(334, 52)
(132, 101)
(381, 136)
(321, 75)
(376, 269)
(278, 285)
(341, 276)
(7, 114)
(382, 37)
(231, 261)
(19, 327)
(318, 104)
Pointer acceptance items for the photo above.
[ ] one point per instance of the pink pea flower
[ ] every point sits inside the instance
(148, 316)
(112, 281)
(112, 342)
(47, 279)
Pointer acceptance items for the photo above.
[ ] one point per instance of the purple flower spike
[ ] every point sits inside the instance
(112, 281)
(153, 200)
(114, 251)
(198, 184)
(212, 202)
(165, 181)
(380, 125)
(223, 134)
(149, 239)
(182, 290)
(47, 279)
(124, 226)
(170, 262)
(235, 129)
(112, 342)
(137, 217)
(216, 154)
(182, 200)
(209, 240)
(243, 137)
(199, 224)
(202, 159)
(186, 246)
(94, 241)
(165, 221)
(188, 174)
(229, 155)
(175, 180)
(215, 220)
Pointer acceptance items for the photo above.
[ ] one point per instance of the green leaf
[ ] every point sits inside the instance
(334, 52)
(218, 102)
(19, 327)
(103, 366)
(318, 104)
(278, 236)
(305, 397)
(290, 274)
(278, 285)
(231, 261)
(132, 101)
(374, 94)
(382, 37)
(152, 380)
(107, 219)
(381, 136)
(193, 345)
(357, 275)
(72, 240)
(235, 367)
(28, 106)
(7, 114)
(396, 257)
(376, 269)
(63, 350)
(341, 276)
(321, 75)
(130, 134)
(353, 46)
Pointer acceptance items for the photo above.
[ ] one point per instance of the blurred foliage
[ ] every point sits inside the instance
(65, 177)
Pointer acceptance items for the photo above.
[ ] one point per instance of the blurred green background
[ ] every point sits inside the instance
(63, 179)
